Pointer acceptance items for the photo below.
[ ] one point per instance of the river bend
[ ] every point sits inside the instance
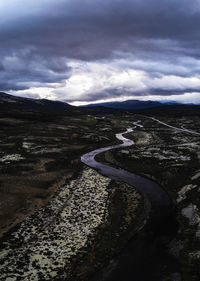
(146, 186)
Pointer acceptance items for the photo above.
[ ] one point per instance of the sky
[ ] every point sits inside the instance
(88, 51)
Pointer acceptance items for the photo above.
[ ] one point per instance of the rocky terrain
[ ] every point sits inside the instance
(36, 158)
(49, 244)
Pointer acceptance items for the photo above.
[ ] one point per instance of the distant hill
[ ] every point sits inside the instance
(129, 104)
(33, 108)
(43, 109)
(151, 107)
(171, 110)
(6, 99)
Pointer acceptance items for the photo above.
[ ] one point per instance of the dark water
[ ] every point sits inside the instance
(151, 189)
(144, 258)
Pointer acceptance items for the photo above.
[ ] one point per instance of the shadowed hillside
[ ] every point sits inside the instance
(172, 110)
(128, 105)
(36, 109)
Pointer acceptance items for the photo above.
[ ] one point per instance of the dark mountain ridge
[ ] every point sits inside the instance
(171, 110)
(20, 107)
(129, 104)
(37, 103)
(151, 107)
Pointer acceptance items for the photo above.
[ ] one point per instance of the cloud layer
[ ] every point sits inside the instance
(85, 50)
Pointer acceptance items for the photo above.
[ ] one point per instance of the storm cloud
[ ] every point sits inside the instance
(86, 50)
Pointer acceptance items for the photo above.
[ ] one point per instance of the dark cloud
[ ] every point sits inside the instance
(11, 86)
(1, 67)
(79, 28)
(36, 49)
(21, 71)
(117, 94)
(93, 29)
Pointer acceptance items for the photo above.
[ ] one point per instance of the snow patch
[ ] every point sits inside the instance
(11, 157)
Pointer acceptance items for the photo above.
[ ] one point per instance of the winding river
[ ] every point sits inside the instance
(141, 252)
(147, 187)
(143, 257)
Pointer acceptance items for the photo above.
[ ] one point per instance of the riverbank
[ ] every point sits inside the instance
(82, 227)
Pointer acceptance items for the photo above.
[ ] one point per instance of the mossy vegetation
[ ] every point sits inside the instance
(37, 156)
(40, 153)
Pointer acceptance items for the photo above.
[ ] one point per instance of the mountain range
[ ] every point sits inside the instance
(130, 104)
(48, 109)
(42, 108)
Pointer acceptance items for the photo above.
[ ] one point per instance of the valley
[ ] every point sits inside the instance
(62, 220)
